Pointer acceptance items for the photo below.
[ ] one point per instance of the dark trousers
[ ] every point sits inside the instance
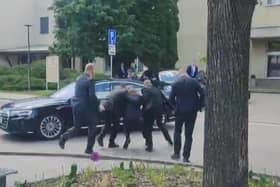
(82, 117)
(112, 125)
(187, 119)
(149, 118)
(129, 123)
(163, 128)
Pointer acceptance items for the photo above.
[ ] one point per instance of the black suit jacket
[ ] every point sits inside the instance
(85, 98)
(187, 95)
(152, 98)
(118, 101)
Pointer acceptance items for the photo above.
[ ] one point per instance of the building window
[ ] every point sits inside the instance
(44, 25)
(273, 69)
(273, 2)
(274, 46)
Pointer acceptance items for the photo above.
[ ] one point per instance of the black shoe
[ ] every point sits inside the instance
(175, 157)
(127, 142)
(100, 141)
(149, 149)
(146, 143)
(113, 145)
(61, 142)
(89, 151)
(170, 142)
(186, 160)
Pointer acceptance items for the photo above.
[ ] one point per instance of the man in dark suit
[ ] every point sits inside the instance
(187, 96)
(123, 71)
(117, 102)
(152, 111)
(85, 107)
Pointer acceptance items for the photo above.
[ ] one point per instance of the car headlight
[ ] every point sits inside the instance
(21, 113)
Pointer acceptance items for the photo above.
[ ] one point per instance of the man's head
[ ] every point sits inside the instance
(148, 84)
(89, 70)
(192, 71)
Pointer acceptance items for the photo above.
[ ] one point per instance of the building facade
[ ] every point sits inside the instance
(14, 15)
(265, 39)
(192, 36)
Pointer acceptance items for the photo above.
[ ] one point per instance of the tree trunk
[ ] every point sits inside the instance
(226, 120)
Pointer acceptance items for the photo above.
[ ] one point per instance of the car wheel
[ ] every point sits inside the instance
(51, 127)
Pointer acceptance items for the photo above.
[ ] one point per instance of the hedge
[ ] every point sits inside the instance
(15, 78)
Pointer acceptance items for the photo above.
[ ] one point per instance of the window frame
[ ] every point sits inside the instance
(44, 29)
(272, 4)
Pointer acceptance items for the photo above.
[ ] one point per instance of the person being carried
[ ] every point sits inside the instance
(115, 105)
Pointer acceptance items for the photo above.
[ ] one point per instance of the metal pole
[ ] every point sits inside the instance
(111, 64)
(137, 65)
(28, 56)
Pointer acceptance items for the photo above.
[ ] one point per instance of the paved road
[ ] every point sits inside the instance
(264, 140)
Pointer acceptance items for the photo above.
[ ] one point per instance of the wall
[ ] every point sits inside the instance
(258, 58)
(266, 16)
(42, 10)
(192, 36)
(14, 14)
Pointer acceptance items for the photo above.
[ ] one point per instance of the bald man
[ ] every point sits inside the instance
(85, 108)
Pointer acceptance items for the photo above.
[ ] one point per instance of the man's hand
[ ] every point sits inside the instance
(101, 108)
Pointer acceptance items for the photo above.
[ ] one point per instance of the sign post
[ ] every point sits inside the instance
(112, 41)
(52, 70)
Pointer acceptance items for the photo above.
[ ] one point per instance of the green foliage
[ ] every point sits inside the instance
(137, 174)
(15, 78)
(125, 178)
(147, 29)
(157, 177)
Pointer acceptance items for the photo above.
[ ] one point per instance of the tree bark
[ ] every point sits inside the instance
(226, 119)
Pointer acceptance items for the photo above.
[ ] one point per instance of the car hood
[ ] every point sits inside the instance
(32, 103)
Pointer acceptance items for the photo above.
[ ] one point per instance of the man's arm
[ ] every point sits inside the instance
(201, 96)
(92, 96)
(172, 97)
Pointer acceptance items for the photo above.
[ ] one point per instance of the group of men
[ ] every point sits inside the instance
(143, 110)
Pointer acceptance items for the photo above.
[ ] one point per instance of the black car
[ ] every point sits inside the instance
(49, 117)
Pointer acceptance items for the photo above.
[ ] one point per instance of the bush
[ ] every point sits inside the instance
(15, 78)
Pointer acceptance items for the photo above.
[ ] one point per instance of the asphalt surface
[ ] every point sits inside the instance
(264, 149)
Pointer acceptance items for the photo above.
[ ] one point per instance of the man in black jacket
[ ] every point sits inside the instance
(85, 108)
(117, 102)
(187, 96)
(152, 110)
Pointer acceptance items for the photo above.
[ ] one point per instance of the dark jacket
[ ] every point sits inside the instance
(123, 73)
(186, 95)
(85, 98)
(133, 110)
(152, 98)
(118, 101)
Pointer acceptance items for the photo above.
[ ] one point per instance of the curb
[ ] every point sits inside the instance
(265, 91)
(102, 157)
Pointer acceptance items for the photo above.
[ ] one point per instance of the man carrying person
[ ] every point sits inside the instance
(115, 106)
(152, 111)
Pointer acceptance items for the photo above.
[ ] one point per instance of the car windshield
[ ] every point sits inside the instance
(168, 76)
(65, 93)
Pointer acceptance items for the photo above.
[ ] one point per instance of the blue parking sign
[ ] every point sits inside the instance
(112, 37)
